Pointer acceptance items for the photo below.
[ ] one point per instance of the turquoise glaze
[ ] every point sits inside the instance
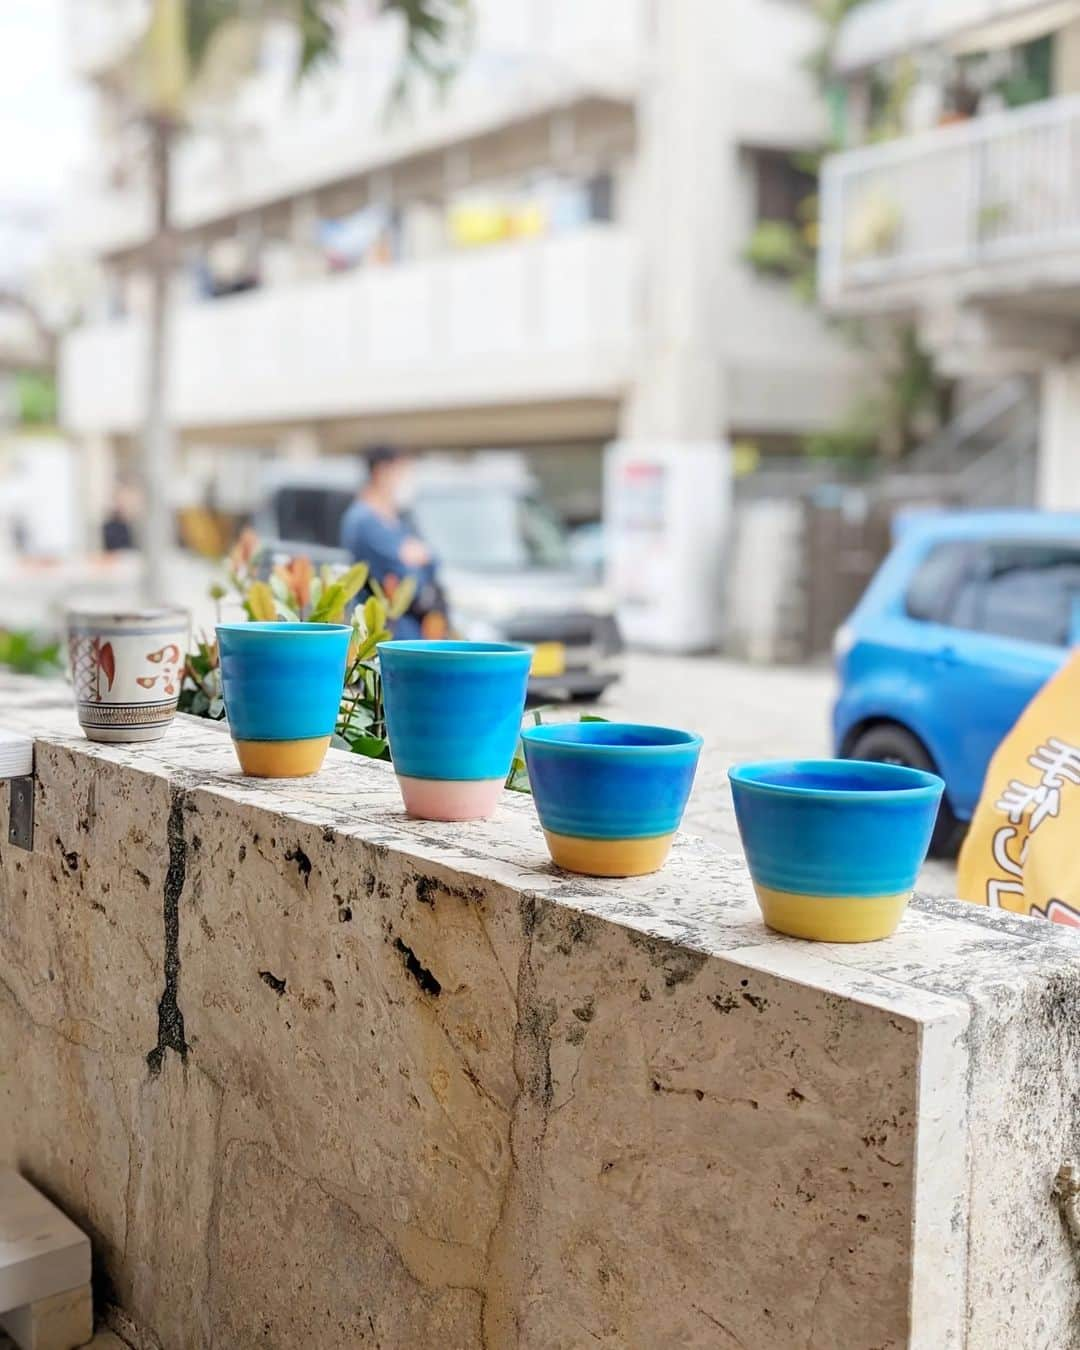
(453, 709)
(282, 681)
(835, 827)
(610, 780)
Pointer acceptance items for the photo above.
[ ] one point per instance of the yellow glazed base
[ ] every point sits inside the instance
(823, 918)
(609, 857)
(282, 759)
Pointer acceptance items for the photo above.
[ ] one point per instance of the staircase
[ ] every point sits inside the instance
(984, 458)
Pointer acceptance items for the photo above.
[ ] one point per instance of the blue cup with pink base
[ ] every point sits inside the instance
(453, 714)
(834, 846)
(610, 795)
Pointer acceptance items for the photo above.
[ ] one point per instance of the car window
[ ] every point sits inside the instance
(1027, 591)
(932, 591)
(310, 515)
(490, 529)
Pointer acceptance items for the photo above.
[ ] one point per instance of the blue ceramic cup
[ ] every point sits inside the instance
(610, 795)
(453, 713)
(834, 846)
(282, 684)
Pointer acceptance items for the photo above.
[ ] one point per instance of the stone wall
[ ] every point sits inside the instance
(312, 1074)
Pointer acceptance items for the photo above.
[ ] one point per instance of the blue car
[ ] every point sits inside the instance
(967, 618)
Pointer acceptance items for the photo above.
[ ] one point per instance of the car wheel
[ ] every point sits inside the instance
(888, 743)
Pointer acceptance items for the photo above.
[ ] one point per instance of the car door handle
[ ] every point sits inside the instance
(947, 656)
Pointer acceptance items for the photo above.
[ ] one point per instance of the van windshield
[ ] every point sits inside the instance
(491, 529)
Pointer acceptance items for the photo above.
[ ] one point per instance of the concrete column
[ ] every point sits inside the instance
(95, 477)
(667, 484)
(683, 209)
(1066, 69)
(1058, 484)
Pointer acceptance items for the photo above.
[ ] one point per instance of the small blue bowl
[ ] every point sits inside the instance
(834, 846)
(453, 713)
(282, 684)
(610, 795)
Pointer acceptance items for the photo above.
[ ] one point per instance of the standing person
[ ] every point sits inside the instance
(117, 533)
(376, 529)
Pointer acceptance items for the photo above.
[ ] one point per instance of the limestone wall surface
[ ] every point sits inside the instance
(312, 1074)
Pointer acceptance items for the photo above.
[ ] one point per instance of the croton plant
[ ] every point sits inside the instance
(297, 592)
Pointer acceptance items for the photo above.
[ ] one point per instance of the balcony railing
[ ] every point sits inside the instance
(977, 198)
(537, 320)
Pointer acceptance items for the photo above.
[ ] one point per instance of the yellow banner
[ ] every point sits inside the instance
(1021, 852)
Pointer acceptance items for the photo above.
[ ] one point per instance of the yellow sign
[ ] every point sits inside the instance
(1020, 853)
(549, 658)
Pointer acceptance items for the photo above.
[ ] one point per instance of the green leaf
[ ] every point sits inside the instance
(23, 652)
(367, 647)
(260, 602)
(374, 747)
(403, 597)
(517, 780)
(593, 717)
(375, 611)
(332, 602)
(354, 580)
(358, 717)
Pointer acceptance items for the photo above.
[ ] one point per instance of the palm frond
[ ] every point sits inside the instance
(436, 32)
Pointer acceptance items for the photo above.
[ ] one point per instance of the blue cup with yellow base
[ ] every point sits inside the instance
(834, 847)
(453, 712)
(282, 684)
(610, 795)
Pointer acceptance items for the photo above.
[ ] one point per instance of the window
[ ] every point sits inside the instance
(490, 529)
(781, 188)
(311, 515)
(1027, 591)
(932, 594)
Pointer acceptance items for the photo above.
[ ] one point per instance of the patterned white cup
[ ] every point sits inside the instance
(126, 669)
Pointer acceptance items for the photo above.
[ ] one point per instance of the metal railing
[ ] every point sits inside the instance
(987, 421)
(989, 192)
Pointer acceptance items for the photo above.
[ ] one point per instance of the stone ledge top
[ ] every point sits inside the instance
(947, 957)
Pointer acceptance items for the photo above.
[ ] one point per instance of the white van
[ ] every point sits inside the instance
(504, 556)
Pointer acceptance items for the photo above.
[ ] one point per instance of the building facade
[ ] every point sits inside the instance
(547, 255)
(967, 217)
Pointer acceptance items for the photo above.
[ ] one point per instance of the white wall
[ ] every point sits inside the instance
(1058, 482)
(777, 102)
(545, 319)
(38, 484)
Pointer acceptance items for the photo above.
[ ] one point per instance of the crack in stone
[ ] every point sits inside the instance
(508, 1259)
(170, 1017)
(420, 973)
(126, 1330)
(719, 1325)
(273, 981)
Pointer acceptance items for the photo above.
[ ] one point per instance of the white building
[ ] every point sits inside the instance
(550, 256)
(970, 220)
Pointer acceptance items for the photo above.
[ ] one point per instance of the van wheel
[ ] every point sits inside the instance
(888, 743)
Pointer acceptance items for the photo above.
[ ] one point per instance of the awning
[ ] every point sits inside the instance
(884, 29)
